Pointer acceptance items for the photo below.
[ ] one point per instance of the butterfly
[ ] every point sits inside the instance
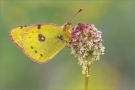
(41, 42)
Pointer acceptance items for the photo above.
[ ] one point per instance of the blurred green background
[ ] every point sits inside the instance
(115, 69)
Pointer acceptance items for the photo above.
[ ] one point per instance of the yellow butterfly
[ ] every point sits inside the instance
(41, 42)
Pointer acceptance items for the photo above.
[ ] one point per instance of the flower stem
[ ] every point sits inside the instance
(87, 79)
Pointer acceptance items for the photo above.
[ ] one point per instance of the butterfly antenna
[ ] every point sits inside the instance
(75, 14)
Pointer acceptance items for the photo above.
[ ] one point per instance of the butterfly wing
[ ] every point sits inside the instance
(16, 34)
(42, 42)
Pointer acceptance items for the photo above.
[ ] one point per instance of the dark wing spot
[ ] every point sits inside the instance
(41, 37)
(60, 37)
(29, 37)
(35, 51)
(31, 47)
(39, 26)
(21, 27)
(41, 55)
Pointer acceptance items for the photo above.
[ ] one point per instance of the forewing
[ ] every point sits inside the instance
(16, 34)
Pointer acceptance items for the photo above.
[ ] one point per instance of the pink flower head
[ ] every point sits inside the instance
(86, 44)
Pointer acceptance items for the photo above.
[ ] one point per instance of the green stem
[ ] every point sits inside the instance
(87, 79)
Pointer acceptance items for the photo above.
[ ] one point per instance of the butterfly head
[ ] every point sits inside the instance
(67, 28)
